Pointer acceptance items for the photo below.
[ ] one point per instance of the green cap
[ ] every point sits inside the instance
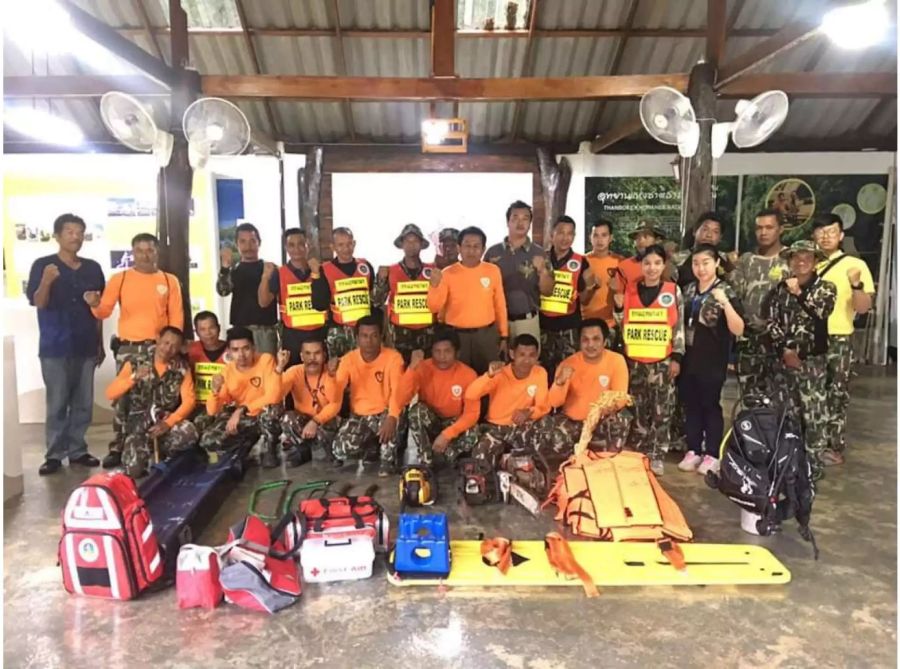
(803, 245)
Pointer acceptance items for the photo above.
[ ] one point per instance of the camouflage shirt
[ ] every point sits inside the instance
(800, 322)
(753, 279)
(162, 392)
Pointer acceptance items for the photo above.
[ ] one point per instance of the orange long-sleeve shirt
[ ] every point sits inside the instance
(314, 396)
(471, 297)
(630, 269)
(443, 390)
(147, 303)
(509, 394)
(374, 385)
(601, 304)
(588, 382)
(254, 388)
(123, 383)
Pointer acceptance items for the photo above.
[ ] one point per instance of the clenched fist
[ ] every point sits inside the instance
(284, 357)
(92, 297)
(383, 273)
(793, 285)
(416, 358)
(495, 367)
(314, 266)
(217, 382)
(539, 263)
(720, 296)
(436, 276)
(226, 257)
(268, 270)
(854, 275)
(563, 374)
(50, 274)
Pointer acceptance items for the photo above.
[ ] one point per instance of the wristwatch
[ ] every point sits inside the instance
(857, 286)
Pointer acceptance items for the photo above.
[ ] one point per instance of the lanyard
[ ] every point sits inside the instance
(314, 392)
(697, 302)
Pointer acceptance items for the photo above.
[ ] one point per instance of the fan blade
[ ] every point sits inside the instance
(689, 140)
(719, 141)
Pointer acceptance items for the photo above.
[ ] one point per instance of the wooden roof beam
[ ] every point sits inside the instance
(716, 27)
(814, 84)
(341, 59)
(527, 70)
(79, 86)
(254, 58)
(443, 38)
(615, 135)
(785, 39)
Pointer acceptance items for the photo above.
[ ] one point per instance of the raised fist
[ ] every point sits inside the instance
(436, 276)
(733, 257)
(284, 357)
(268, 269)
(793, 285)
(719, 296)
(495, 367)
(333, 366)
(563, 374)
(416, 358)
(854, 275)
(51, 273)
(614, 283)
(217, 382)
(314, 266)
(226, 256)
(383, 273)
(539, 262)
(142, 372)
(92, 297)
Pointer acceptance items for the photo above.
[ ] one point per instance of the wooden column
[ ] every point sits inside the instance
(310, 182)
(555, 180)
(175, 181)
(696, 178)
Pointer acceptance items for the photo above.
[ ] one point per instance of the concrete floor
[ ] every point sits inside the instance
(838, 612)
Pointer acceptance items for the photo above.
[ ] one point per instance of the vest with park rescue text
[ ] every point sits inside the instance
(408, 301)
(204, 370)
(296, 302)
(350, 295)
(563, 301)
(648, 331)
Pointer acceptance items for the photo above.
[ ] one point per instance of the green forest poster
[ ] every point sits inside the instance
(628, 200)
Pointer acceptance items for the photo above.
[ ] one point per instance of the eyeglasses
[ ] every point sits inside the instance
(824, 232)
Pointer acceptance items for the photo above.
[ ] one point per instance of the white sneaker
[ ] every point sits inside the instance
(709, 464)
(657, 466)
(690, 462)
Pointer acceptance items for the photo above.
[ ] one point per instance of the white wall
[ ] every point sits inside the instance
(586, 164)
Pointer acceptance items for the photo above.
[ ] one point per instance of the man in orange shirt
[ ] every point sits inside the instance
(646, 234)
(518, 398)
(148, 300)
(442, 421)
(581, 379)
(603, 264)
(313, 421)
(373, 373)
(154, 397)
(470, 296)
(245, 402)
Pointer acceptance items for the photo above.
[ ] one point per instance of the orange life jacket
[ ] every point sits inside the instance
(408, 298)
(296, 306)
(563, 301)
(204, 369)
(615, 497)
(350, 295)
(648, 331)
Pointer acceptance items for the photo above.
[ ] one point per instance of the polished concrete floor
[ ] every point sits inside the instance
(838, 612)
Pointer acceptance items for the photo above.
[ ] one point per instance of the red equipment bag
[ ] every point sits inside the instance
(197, 577)
(108, 548)
(330, 513)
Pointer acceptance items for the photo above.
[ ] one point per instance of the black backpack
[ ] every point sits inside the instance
(764, 468)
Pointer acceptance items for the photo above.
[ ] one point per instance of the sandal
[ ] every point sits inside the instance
(831, 458)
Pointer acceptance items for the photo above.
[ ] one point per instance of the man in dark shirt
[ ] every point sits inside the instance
(707, 230)
(70, 342)
(300, 322)
(242, 283)
(525, 274)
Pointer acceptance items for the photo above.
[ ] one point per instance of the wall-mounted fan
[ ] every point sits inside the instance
(756, 121)
(669, 118)
(131, 123)
(214, 126)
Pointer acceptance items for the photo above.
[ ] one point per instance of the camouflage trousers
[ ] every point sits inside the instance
(267, 424)
(407, 340)
(425, 426)
(495, 440)
(556, 347)
(200, 418)
(654, 403)
(292, 424)
(125, 353)
(358, 433)
(557, 434)
(839, 360)
(138, 450)
(340, 340)
(756, 364)
(807, 395)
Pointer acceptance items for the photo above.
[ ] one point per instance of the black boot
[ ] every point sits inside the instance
(113, 459)
(299, 455)
(270, 459)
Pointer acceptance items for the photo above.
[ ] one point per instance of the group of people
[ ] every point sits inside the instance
(485, 350)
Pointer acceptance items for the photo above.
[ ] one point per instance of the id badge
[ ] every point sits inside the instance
(688, 337)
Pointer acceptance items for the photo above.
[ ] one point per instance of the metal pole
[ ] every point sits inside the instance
(882, 299)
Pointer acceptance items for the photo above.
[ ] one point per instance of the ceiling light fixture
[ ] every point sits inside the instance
(857, 26)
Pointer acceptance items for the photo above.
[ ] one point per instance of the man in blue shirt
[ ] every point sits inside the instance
(70, 342)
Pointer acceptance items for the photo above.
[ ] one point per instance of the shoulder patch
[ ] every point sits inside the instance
(363, 269)
(666, 299)
(573, 265)
(426, 272)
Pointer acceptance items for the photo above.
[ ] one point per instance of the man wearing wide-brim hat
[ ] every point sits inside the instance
(448, 243)
(645, 234)
(798, 326)
(404, 286)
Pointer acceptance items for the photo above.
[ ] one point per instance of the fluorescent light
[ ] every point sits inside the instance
(43, 126)
(857, 26)
(39, 25)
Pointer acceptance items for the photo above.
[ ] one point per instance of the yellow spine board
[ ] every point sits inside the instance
(613, 564)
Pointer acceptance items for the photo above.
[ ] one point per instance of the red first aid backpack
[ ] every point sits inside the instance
(324, 514)
(108, 548)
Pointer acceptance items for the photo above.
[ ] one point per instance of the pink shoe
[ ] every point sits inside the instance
(690, 462)
(708, 464)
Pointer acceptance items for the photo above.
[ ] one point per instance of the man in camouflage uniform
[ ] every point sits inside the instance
(753, 280)
(411, 279)
(373, 374)
(798, 325)
(245, 402)
(448, 239)
(153, 396)
(580, 380)
(313, 422)
(707, 230)
(442, 421)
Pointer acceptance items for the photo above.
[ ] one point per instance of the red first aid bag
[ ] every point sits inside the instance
(108, 548)
(197, 577)
(323, 514)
